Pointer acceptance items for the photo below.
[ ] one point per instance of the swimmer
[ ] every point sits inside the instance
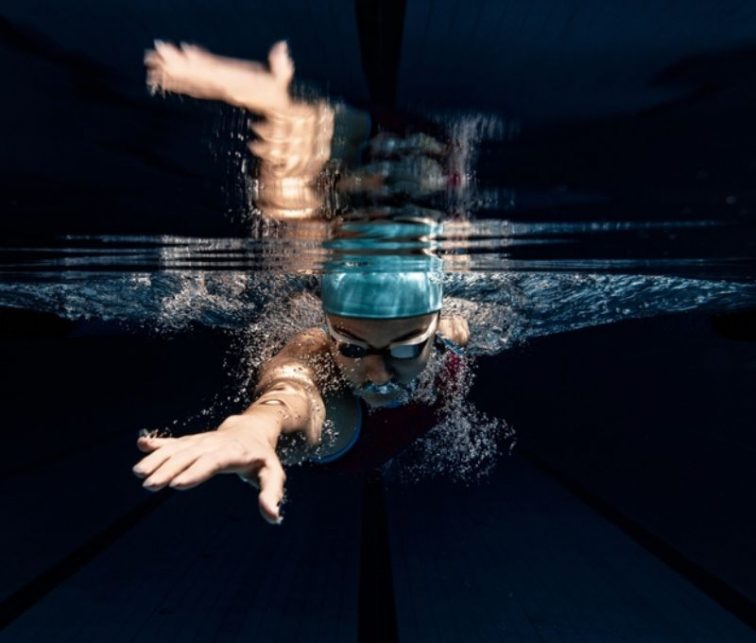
(381, 330)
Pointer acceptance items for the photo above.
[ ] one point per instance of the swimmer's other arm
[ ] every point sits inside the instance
(455, 329)
(245, 444)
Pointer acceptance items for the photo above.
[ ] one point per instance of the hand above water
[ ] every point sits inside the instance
(243, 444)
(194, 71)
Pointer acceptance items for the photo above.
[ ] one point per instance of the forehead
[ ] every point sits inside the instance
(381, 328)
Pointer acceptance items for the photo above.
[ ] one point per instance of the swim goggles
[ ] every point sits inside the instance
(355, 349)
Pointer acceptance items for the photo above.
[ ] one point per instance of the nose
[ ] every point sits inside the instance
(375, 369)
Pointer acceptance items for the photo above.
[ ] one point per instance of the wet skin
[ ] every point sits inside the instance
(246, 443)
(380, 368)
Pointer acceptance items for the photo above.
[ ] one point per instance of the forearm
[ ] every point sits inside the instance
(290, 403)
(288, 387)
(283, 407)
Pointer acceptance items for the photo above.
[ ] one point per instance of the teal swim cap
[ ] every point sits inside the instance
(381, 295)
(382, 270)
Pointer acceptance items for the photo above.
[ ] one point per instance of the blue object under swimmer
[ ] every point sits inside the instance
(356, 430)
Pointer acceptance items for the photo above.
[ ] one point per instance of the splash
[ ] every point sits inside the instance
(502, 308)
(262, 310)
(507, 308)
(464, 445)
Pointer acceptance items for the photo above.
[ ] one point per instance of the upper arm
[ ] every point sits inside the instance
(298, 359)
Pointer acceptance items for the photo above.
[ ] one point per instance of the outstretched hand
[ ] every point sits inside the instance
(236, 447)
(194, 71)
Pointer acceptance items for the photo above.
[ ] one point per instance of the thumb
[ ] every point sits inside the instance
(281, 64)
(272, 479)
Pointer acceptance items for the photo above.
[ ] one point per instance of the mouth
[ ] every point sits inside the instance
(390, 394)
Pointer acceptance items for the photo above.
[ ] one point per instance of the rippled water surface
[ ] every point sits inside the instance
(511, 280)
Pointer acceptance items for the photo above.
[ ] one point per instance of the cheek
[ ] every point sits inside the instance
(352, 369)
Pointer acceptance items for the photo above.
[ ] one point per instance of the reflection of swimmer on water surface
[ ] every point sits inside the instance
(361, 372)
(308, 149)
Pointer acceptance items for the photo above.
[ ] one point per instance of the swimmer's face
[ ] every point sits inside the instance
(380, 379)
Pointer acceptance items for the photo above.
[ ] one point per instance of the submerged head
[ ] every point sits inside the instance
(381, 359)
(382, 326)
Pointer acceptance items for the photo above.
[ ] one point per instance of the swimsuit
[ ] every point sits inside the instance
(384, 433)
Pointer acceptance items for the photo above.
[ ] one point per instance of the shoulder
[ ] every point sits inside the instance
(307, 343)
(455, 329)
(299, 360)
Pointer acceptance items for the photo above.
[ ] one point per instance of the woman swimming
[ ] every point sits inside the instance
(383, 324)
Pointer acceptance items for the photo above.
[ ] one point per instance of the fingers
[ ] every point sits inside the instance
(164, 62)
(193, 50)
(172, 465)
(201, 470)
(154, 63)
(166, 50)
(259, 149)
(272, 479)
(147, 466)
(186, 462)
(160, 450)
(262, 128)
(153, 81)
(281, 64)
(149, 443)
(279, 130)
(152, 58)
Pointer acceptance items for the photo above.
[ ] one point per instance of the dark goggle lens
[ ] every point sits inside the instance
(352, 351)
(406, 351)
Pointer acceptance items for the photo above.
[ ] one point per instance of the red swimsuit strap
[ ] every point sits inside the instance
(387, 432)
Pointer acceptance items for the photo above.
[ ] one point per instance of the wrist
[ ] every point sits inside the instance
(255, 424)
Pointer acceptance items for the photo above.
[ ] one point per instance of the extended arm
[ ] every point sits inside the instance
(288, 401)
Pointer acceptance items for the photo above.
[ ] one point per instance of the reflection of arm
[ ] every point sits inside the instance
(288, 387)
(296, 138)
(194, 71)
(294, 147)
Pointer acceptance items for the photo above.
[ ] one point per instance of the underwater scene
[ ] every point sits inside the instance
(378, 321)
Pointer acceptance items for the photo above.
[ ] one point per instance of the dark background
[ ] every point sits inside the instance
(640, 111)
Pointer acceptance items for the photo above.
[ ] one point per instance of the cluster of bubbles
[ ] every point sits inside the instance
(465, 444)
